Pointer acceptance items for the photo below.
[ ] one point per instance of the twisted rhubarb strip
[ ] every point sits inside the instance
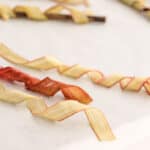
(138, 5)
(60, 111)
(76, 71)
(54, 12)
(47, 86)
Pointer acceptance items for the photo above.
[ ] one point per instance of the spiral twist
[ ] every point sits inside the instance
(35, 13)
(127, 83)
(59, 111)
(46, 86)
(138, 5)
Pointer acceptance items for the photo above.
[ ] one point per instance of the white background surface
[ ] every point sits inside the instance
(119, 46)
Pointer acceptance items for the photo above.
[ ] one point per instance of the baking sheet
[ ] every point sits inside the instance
(119, 46)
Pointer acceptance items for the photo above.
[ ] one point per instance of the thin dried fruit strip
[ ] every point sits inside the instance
(6, 12)
(139, 5)
(47, 86)
(76, 71)
(77, 16)
(31, 12)
(59, 111)
(54, 12)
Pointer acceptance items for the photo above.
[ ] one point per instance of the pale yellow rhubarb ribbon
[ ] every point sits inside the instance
(76, 71)
(139, 5)
(59, 111)
(35, 13)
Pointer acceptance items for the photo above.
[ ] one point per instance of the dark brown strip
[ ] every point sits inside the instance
(146, 9)
(66, 17)
(69, 17)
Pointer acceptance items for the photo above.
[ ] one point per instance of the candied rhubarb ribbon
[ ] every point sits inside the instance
(76, 71)
(59, 111)
(138, 5)
(54, 12)
(46, 86)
